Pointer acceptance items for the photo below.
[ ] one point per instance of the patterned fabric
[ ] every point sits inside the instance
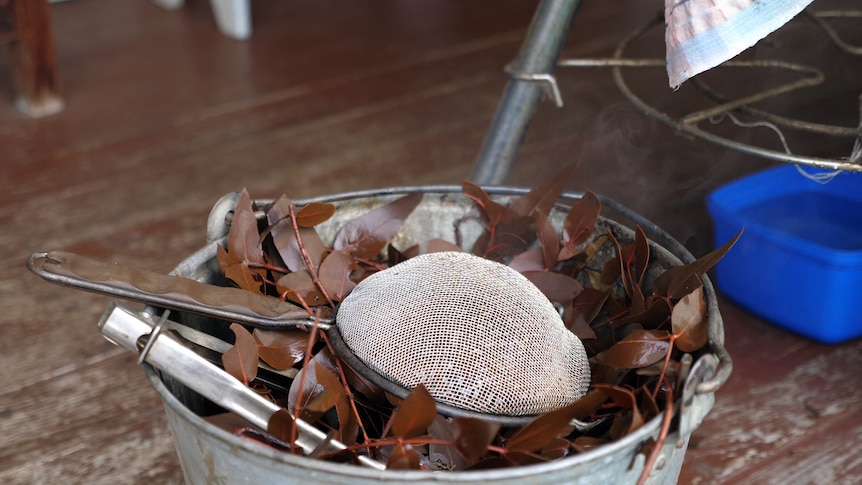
(702, 34)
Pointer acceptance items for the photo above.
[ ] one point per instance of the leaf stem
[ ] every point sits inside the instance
(302, 301)
(271, 267)
(297, 407)
(373, 264)
(663, 374)
(311, 269)
(662, 436)
(347, 391)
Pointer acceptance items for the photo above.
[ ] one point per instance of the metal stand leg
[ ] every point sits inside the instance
(531, 74)
(31, 51)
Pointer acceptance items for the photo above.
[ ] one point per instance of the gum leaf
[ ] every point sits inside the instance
(640, 348)
(281, 349)
(241, 360)
(369, 233)
(415, 414)
(688, 320)
(314, 213)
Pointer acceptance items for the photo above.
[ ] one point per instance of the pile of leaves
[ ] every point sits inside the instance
(635, 336)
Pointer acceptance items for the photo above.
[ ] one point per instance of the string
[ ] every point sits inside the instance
(820, 178)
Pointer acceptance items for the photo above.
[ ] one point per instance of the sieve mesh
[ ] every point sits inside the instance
(478, 334)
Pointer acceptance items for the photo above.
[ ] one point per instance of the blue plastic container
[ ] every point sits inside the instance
(799, 262)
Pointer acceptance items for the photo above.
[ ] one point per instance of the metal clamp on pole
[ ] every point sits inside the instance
(548, 81)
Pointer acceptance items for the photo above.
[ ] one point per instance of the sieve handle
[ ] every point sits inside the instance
(166, 291)
(125, 328)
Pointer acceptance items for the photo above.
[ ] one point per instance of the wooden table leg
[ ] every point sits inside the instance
(34, 63)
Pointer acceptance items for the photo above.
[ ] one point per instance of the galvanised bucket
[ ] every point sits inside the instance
(209, 454)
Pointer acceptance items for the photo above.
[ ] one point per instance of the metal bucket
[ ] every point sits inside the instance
(209, 454)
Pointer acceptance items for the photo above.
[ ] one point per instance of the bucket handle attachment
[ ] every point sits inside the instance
(695, 405)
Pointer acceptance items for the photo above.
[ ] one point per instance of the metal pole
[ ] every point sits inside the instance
(531, 74)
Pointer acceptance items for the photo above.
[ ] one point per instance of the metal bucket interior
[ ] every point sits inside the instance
(209, 454)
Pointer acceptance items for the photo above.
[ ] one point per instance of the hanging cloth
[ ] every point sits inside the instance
(701, 34)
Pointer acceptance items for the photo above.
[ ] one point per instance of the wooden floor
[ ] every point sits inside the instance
(164, 115)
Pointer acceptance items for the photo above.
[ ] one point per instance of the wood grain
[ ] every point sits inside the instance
(164, 115)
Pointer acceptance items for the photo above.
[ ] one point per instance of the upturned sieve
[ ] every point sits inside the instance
(481, 337)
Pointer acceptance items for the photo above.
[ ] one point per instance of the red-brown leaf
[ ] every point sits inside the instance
(281, 349)
(299, 287)
(244, 246)
(542, 431)
(525, 459)
(307, 380)
(576, 324)
(529, 260)
(244, 238)
(583, 444)
(415, 414)
(284, 238)
(369, 233)
(679, 281)
(335, 274)
(480, 246)
(557, 287)
(654, 316)
(372, 392)
(444, 454)
(441, 245)
(556, 449)
(224, 258)
(491, 212)
(638, 300)
(647, 403)
(581, 219)
(541, 198)
(403, 457)
(624, 258)
(246, 278)
(314, 247)
(639, 349)
(512, 459)
(622, 422)
(688, 320)
(641, 256)
(394, 256)
(348, 426)
(626, 399)
(512, 236)
(331, 393)
(548, 240)
(473, 436)
(585, 309)
(281, 425)
(314, 213)
(611, 270)
(241, 360)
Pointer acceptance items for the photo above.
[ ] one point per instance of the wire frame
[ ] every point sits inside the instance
(697, 123)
